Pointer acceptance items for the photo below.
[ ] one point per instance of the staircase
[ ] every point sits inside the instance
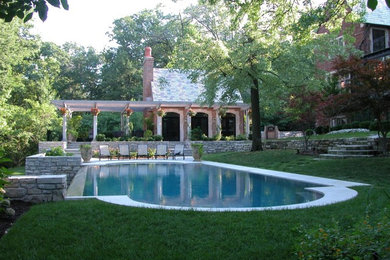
(358, 149)
(74, 148)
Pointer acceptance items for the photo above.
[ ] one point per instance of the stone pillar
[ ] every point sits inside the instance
(218, 123)
(94, 127)
(64, 127)
(159, 125)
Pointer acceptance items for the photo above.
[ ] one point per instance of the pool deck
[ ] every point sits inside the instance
(333, 190)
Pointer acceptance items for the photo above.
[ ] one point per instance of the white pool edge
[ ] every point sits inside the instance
(334, 191)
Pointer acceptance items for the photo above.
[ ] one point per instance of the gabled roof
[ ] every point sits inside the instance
(380, 16)
(170, 85)
(173, 85)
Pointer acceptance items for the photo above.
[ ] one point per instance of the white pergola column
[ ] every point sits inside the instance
(159, 125)
(127, 130)
(247, 127)
(218, 123)
(64, 127)
(188, 127)
(94, 127)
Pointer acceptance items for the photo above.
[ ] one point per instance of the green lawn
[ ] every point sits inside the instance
(17, 170)
(92, 229)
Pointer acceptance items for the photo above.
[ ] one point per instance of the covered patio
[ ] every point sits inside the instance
(172, 120)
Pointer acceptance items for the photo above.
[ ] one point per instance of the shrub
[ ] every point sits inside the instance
(151, 152)
(100, 137)
(196, 134)
(56, 151)
(114, 152)
(364, 124)
(217, 137)
(157, 137)
(148, 134)
(230, 138)
(355, 124)
(373, 126)
(205, 138)
(241, 137)
(322, 130)
(346, 126)
(5, 204)
(368, 239)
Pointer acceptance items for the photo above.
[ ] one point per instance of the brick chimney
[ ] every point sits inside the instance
(148, 75)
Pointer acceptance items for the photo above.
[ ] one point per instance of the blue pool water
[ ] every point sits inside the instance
(194, 185)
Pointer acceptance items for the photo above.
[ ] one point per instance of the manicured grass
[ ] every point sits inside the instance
(92, 229)
(17, 170)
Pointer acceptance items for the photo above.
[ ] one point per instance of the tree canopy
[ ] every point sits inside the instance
(25, 9)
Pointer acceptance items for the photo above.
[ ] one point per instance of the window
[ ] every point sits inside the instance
(340, 41)
(378, 39)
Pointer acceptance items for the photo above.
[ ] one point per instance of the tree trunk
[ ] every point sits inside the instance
(255, 104)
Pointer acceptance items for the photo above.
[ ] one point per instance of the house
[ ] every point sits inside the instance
(171, 101)
(179, 101)
(372, 37)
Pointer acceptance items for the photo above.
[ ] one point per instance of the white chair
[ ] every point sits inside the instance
(178, 151)
(104, 152)
(142, 151)
(124, 151)
(162, 151)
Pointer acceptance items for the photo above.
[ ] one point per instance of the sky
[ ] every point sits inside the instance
(87, 21)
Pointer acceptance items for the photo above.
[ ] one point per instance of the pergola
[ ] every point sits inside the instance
(67, 107)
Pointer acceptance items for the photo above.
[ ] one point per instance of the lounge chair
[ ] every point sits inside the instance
(178, 151)
(104, 152)
(161, 151)
(142, 151)
(124, 151)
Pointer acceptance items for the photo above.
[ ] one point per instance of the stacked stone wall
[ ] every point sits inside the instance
(36, 189)
(44, 146)
(53, 165)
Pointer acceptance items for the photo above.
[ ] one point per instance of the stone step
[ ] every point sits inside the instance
(351, 147)
(335, 151)
(75, 152)
(344, 156)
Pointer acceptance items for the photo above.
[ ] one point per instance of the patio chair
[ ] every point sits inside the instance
(179, 151)
(142, 151)
(162, 150)
(104, 152)
(124, 151)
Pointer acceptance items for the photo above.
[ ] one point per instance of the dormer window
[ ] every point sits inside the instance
(379, 39)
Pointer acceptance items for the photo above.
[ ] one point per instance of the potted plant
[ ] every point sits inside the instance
(160, 112)
(191, 112)
(197, 151)
(86, 152)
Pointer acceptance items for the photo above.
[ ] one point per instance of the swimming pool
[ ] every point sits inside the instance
(201, 186)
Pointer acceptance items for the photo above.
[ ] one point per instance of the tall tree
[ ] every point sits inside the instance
(24, 9)
(122, 70)
(80, 75)
(368, 89)
(25, 91)
(249, 55)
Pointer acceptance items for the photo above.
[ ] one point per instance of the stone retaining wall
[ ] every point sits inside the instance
(43, 146)
(209, 146)
(225, 146)
(319, 145)
(53, 165)
(36, 189)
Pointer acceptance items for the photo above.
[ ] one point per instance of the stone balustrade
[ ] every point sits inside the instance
(36, 189)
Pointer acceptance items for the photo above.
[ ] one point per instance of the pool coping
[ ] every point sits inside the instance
(333, 190)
